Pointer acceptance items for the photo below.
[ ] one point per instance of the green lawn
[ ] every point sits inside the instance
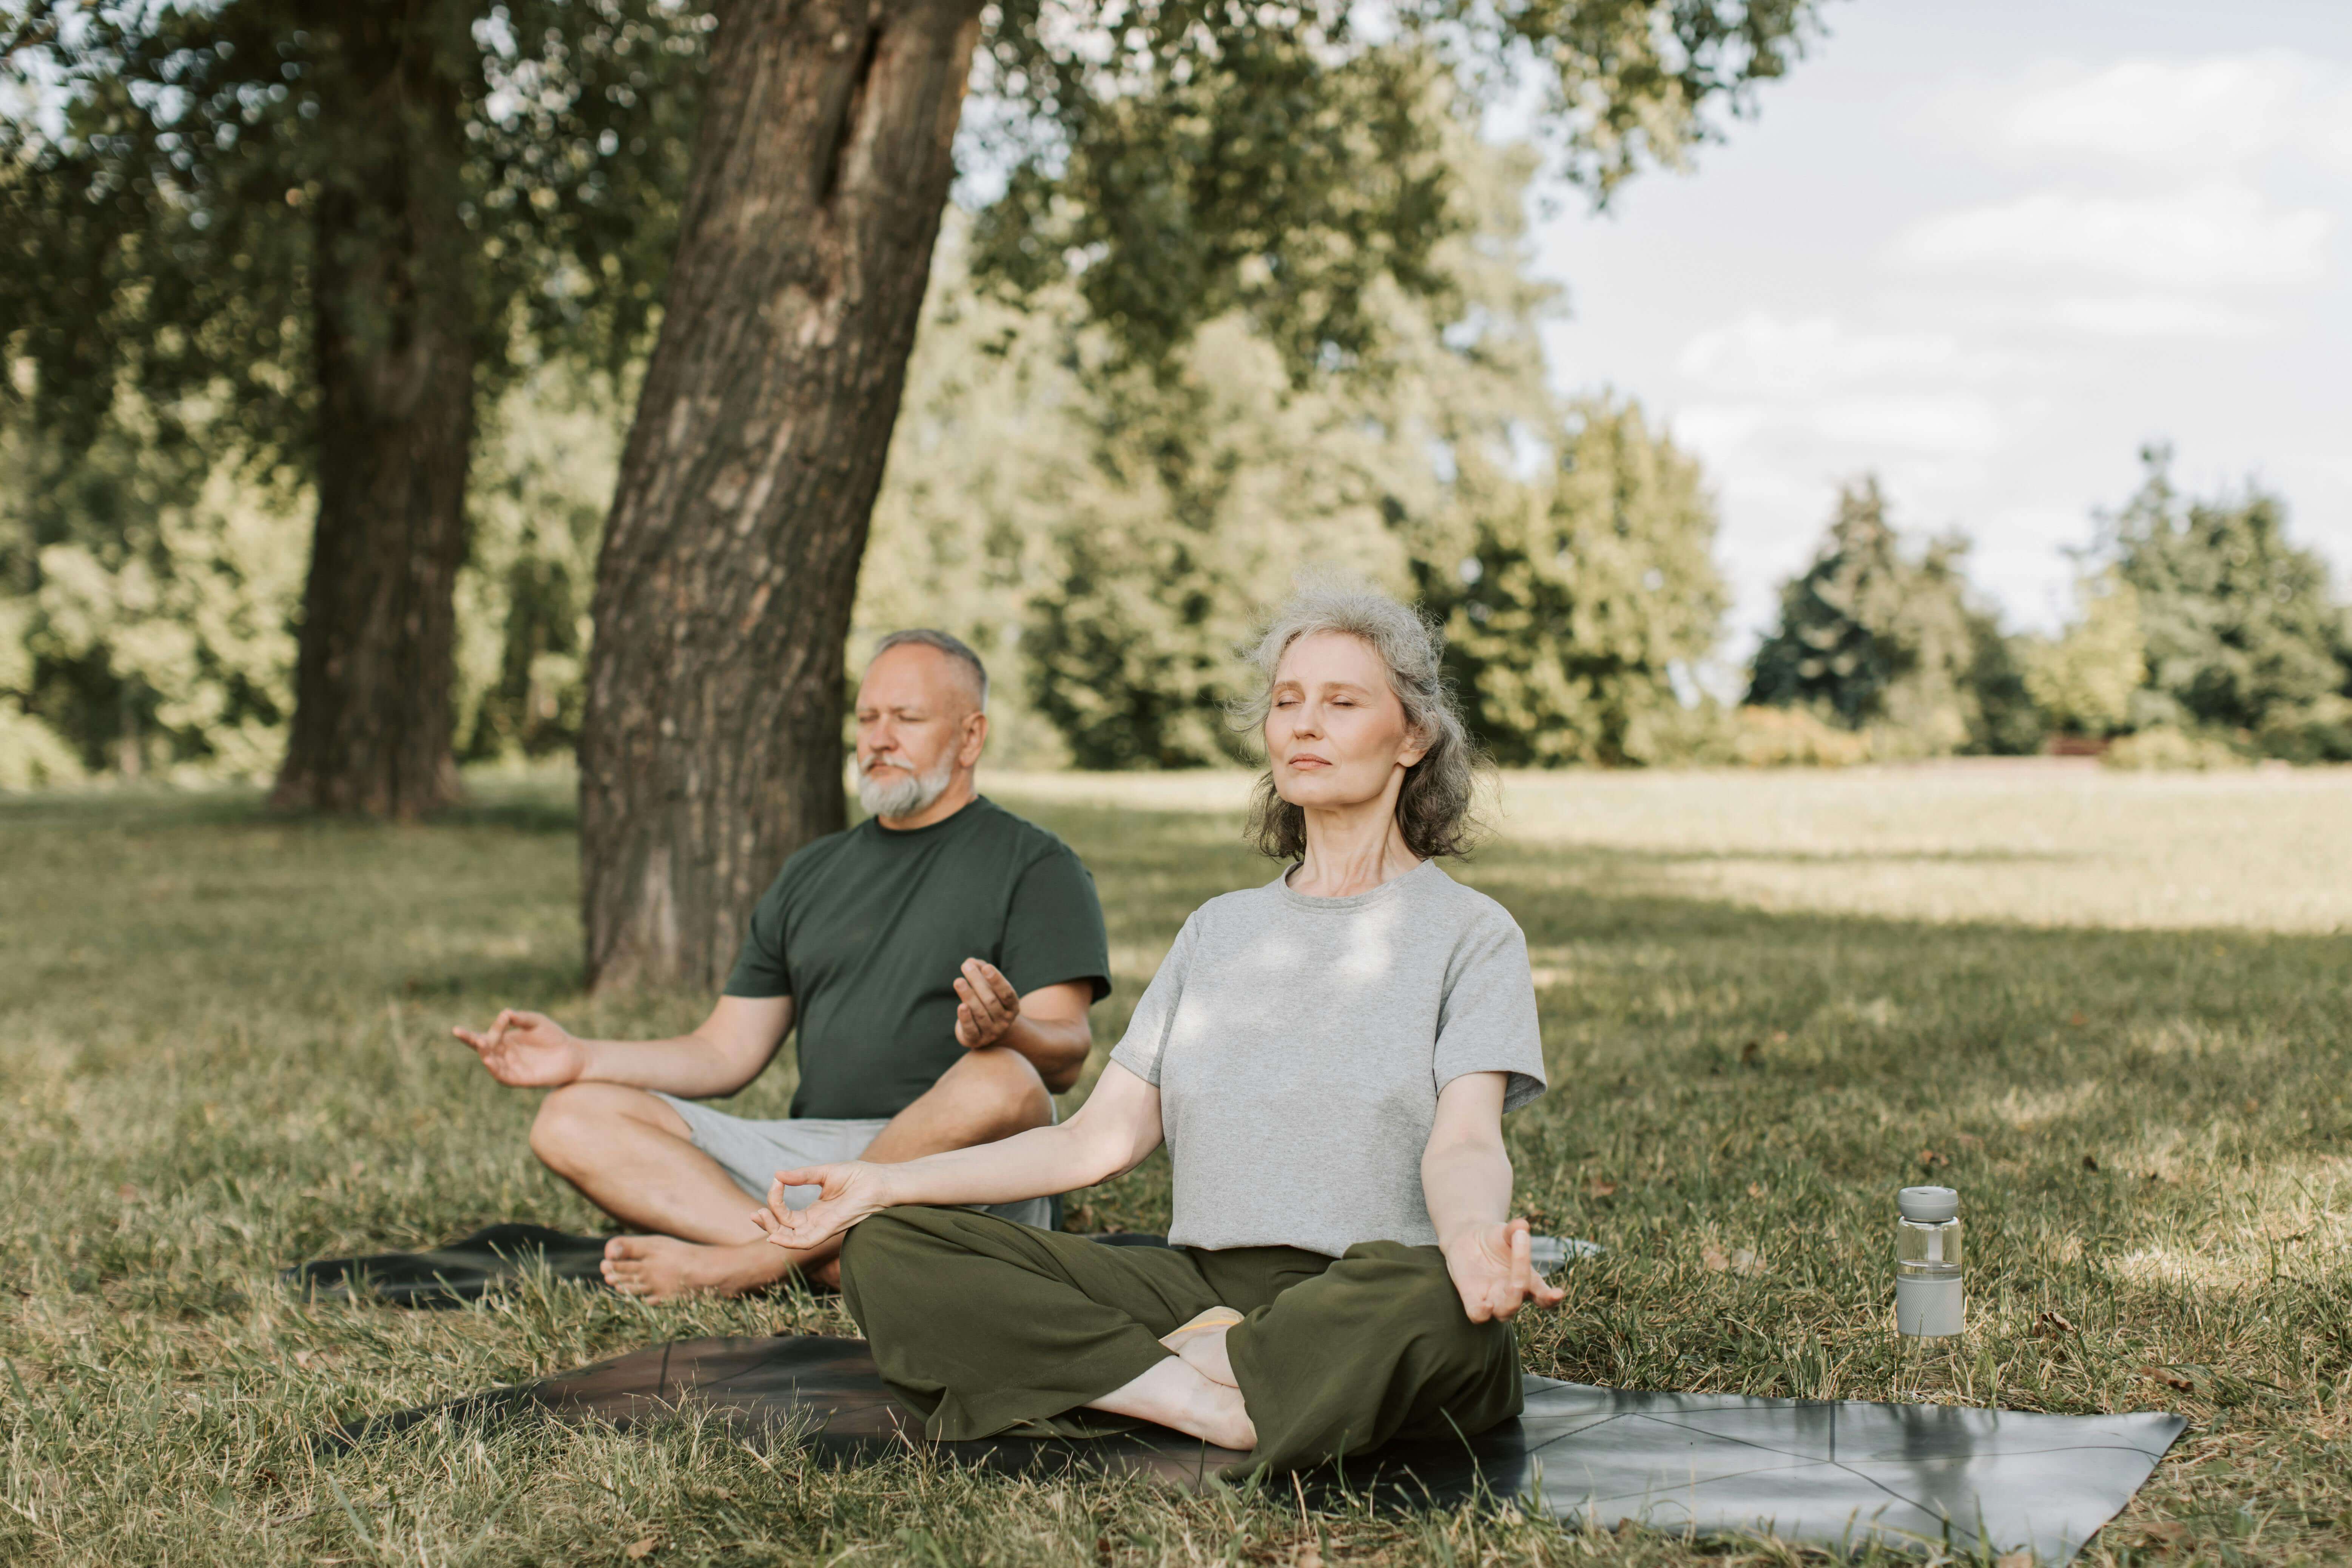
(2114, 1012)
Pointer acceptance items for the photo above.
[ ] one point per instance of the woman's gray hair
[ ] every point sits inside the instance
(1434, 810)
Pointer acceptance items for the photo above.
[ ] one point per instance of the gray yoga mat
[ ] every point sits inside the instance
(1834, 1474)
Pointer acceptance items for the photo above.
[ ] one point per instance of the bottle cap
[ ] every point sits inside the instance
(1929, 1205)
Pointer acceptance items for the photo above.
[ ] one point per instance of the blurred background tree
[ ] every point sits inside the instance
(1876, 639)
(2084, 680)
(317, 240)
(2239, 631)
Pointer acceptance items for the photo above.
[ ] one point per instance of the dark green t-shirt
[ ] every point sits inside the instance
(866, 930)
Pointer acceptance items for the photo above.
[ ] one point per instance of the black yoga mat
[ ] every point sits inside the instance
(468, 1269)
(1835, 1474)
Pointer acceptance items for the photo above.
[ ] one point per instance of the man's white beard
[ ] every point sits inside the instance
(909, 794)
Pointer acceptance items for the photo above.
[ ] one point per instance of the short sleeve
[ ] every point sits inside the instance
(1140, 1049)
(1054, 928)
(760, 968)
(1487, 1021)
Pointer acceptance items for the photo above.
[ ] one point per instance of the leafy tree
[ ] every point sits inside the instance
(320, 230)
(2085, 680)
(2239, 625)
(1873, 639)
(1261, 157)
(1575, 598)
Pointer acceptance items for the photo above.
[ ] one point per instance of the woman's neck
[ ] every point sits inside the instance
(1352, 849)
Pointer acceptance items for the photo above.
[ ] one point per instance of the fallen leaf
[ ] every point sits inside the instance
(1755, 1189)
(641, 1549)
(1600, 1189)
(266, 1479)
(1930, 1159)
(1310, 1555)
(2164, 1533)
(1780, 1037)
(2077, 1019)
(2090, 1162)
(2019, 1559)
(2053, 1324)
(1747, 1261)
(2170, 1378)
(1715, 1259)
(127, 1193)
(1751, 1055)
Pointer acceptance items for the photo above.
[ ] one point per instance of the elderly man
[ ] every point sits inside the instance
(938, 958)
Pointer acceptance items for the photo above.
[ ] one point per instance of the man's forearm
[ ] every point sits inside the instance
(691, 1066)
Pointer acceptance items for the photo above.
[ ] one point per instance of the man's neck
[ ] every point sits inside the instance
(958, 793)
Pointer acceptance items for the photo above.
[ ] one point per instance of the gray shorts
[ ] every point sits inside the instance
(751, 1153)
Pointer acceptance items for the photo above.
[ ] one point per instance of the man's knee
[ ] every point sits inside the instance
(580, 1117)
(1003, 1089)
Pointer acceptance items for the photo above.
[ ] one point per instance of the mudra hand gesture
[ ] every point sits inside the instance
(848, 1192)
(527, 1051)
(1492, 1266)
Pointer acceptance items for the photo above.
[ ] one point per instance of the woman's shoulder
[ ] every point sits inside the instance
(1472, 913)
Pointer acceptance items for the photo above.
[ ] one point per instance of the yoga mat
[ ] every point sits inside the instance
(468, 1269)
(1834, 1474)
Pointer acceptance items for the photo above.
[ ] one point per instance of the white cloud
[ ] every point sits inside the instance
(1936, 423)
(2214, 111)
(2211, 233)
(1761, 354)
(2155, 315)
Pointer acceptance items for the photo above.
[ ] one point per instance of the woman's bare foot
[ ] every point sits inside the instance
(1201, 1344)
(1177, 1393)
(662, 1267)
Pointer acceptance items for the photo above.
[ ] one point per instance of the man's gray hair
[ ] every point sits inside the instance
(955, 648)
(1434, 810)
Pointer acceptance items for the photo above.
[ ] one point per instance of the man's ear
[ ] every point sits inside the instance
(975, 739)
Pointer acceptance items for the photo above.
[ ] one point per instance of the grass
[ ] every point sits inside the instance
(2116, 1012)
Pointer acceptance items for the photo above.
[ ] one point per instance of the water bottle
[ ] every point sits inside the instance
(1928, 1298)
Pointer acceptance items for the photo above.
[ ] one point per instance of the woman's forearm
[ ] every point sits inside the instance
(1033, 1164)
(1467, 1184)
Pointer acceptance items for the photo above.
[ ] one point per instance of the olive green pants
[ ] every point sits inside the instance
(989, 1327)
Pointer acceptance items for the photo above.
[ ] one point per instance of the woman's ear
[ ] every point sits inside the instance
(1416, 746)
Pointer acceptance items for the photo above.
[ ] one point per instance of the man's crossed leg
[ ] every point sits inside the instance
(634, 1154)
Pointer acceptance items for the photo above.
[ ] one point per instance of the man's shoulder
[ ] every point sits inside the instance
(1027, 841)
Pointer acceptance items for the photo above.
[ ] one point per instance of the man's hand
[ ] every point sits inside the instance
(986, 1005)
(1493, 1269)
(847, 1192)
(527, 1051)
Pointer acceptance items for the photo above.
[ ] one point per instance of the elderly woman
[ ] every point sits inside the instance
(1327, 1057)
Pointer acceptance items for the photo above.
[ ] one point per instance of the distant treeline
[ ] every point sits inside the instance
(1106, 532)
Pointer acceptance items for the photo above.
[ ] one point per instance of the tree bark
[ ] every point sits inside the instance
(394, 347)
(711, 745)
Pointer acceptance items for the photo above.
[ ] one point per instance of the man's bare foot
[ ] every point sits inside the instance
(662, 1267)
(1201, 1344)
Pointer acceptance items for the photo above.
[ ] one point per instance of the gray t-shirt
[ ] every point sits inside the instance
(1299, 1045)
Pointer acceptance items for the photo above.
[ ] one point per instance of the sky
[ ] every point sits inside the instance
(1989, 251)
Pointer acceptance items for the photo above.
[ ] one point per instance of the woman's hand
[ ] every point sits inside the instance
(848, 1192)
(1493, 1268)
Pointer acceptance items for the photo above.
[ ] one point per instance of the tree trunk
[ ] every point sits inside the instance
(711, 745)
(394, 347)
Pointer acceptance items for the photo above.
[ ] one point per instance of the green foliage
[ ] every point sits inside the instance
(1877, 640)
(147, 595)
(1189, 159)
(161, 207)
(2239, 629)
(2085, 681)
(1579, 594)
(542, 480)
(2160, 748)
